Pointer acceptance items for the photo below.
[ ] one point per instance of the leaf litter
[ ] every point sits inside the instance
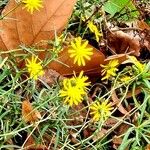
(46, 120)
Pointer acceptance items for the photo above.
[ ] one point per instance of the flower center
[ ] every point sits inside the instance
(80, 51)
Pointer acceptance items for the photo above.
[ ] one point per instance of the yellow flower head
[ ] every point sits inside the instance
(125, 79)
(101, 111)
(93, 28)
(81, 81)
(80, 51)
(32, 5)
(74, 89)
(71, 93)
(110, 69)
(35, 69)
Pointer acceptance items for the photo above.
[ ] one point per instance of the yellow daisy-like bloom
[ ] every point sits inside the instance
(125, 79)
(35, 69)
(74, 89)
(101, 111)
(110, 69)
(32, 5)
(71, 93)
(93, 28)
(80, 51)
(81, 81)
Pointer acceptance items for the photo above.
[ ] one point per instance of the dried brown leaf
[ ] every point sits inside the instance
(29, 114)
(120, 43)
(73, 137)
(67, 66)
(31, 29)
(110, 122)
(99, 134)
(136, 92)
(116, 142)
(146, 37)
(22, 27)
(50, 76)
(144, 34)
(143, 25)
(147, 147)
(122, 128)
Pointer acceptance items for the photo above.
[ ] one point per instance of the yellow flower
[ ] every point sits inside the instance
(139, 66)
(110, 69)
(80, 51)
(125, 79)
(71, 93)
(101, 111)
(35, 69)
(81, 81)
(93, 28)
(74, 89)
(32, 5)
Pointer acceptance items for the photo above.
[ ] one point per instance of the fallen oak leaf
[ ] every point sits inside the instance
(22, 27)
(120, 42)
(65, 65)
(143, 34)
(29, 114)
(30, 29)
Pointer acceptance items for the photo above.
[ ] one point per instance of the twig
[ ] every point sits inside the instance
(126, 29)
